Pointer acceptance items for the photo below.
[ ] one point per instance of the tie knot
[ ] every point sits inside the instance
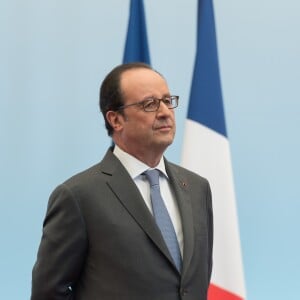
(152, 176)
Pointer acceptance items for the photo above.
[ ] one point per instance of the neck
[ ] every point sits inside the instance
(150, 160)
(150, 157)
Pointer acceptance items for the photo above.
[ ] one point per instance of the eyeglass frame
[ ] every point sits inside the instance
(143, 102)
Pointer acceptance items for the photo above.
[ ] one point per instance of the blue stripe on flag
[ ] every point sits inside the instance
(206, 105)
(136, 47)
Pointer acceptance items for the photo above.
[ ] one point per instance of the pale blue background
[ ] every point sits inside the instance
(53, 57)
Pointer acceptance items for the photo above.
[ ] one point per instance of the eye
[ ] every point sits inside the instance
(167, 101)
(150, 104)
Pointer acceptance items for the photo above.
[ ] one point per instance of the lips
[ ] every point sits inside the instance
(164, 127)
(165, 130)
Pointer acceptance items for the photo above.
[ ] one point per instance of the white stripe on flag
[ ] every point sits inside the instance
(207, 153)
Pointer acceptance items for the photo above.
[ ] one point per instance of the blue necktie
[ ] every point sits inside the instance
(162, 217)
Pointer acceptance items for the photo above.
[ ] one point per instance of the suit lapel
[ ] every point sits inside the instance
(182, 195)
(128, 194)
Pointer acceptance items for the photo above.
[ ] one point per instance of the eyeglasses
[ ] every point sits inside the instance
(152, 104)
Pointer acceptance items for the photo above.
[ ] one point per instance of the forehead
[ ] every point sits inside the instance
(143, 82)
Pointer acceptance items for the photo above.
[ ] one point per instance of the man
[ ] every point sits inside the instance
(102, 235)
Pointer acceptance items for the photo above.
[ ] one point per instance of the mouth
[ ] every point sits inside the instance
(164, 128)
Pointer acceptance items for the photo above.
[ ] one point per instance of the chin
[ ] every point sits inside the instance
(166, 142)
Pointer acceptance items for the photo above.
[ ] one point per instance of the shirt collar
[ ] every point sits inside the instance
(134, 166)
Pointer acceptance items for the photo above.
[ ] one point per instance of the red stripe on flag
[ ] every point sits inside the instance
(216, 293)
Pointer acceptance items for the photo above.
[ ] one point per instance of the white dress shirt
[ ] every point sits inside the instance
(135, 169)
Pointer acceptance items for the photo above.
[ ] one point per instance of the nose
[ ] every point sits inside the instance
(163, 110)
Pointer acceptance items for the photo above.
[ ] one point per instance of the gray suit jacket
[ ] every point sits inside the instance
(101, 242)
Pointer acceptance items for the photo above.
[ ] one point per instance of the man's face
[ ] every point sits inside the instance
(145, 131)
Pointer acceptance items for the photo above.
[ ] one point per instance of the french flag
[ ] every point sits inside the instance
(206, 151)
(136, 45)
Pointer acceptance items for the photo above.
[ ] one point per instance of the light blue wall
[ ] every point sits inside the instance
(53, 57)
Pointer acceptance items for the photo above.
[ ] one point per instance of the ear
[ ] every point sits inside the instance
(115, 119)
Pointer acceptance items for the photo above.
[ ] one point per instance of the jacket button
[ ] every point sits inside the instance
(183, 292)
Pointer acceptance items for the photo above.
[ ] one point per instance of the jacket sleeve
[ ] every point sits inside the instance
(210, 227)
(62, 249)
